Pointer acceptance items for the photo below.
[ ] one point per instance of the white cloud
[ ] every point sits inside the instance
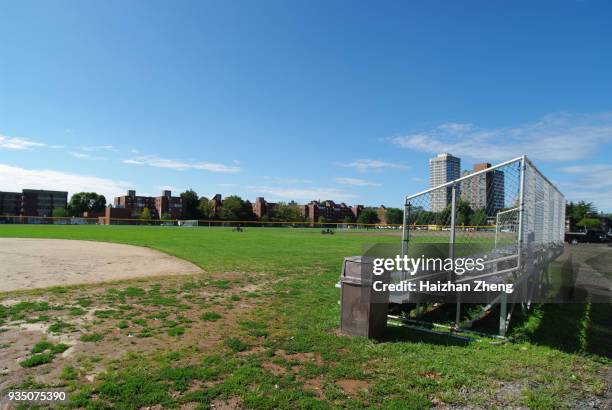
(590, 176)
(167, 188)
(85, 155)
(591, 183)
(133, 162)
(99, 148)
(288, 194)
(355, 182)
(287, 181)
(555, 137)
(602, 198)
(157, 162)
(18, 143)
(79, 155)
(16, 179)
(372, 164)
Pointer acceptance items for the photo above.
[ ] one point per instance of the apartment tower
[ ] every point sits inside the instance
(442, 168)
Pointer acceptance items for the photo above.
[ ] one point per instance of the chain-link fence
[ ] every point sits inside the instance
(510, 215)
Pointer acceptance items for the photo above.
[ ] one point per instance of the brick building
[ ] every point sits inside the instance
(484, 191)
(216, 202)
(116, 216)
(164, 205)
(10, 203)
(330, 211)
(136, 204)
(32, 202)
(168, 206)
(263, 208)
(356, 210)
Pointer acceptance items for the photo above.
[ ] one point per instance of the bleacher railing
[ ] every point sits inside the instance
(510, 212)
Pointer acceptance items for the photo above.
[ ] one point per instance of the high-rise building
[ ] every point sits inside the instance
(484, 191)
(442, 168)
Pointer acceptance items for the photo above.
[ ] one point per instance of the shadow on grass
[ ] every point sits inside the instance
(583, 327)
(399, 334)
(573, 323)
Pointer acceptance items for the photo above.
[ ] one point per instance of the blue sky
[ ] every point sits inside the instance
(301, 100)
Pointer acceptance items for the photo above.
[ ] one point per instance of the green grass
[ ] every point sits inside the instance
(220, 249)
(37, 359)
(92, 337)
(236, 345)
(43, 352)
(210, 316)
(560, 357)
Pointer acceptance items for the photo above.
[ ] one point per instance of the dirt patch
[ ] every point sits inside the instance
(315, 385)
(39, 263)
(230, 404)
(352, 387)
(255, 350)
(274, 368)
(307, 357)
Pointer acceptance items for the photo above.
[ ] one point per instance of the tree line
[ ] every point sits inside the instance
(580, 214)
(465, 215)
(82, 202)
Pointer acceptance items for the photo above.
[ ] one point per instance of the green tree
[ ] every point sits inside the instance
(206, 208)
(478, 218)
(368, 216)
(443, 218)
(59, 213)
(463, 213)
(347, 219)
(190, 204)
(86, 202)
(287, 212)
(235, 209)
(394, 216)
(146, 214)
(576, 212)
(589, 223)
(424, 218)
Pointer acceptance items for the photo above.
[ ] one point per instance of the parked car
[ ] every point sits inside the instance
(588, 236)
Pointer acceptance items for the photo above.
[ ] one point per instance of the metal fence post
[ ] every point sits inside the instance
(521, 211)
(405, 233)
(503, 319)
(451, 250)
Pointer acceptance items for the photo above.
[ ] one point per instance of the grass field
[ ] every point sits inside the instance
(259, 330)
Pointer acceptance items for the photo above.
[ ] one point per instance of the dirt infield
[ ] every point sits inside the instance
(38, 263)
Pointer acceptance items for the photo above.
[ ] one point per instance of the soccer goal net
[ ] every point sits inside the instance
(188, 223)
